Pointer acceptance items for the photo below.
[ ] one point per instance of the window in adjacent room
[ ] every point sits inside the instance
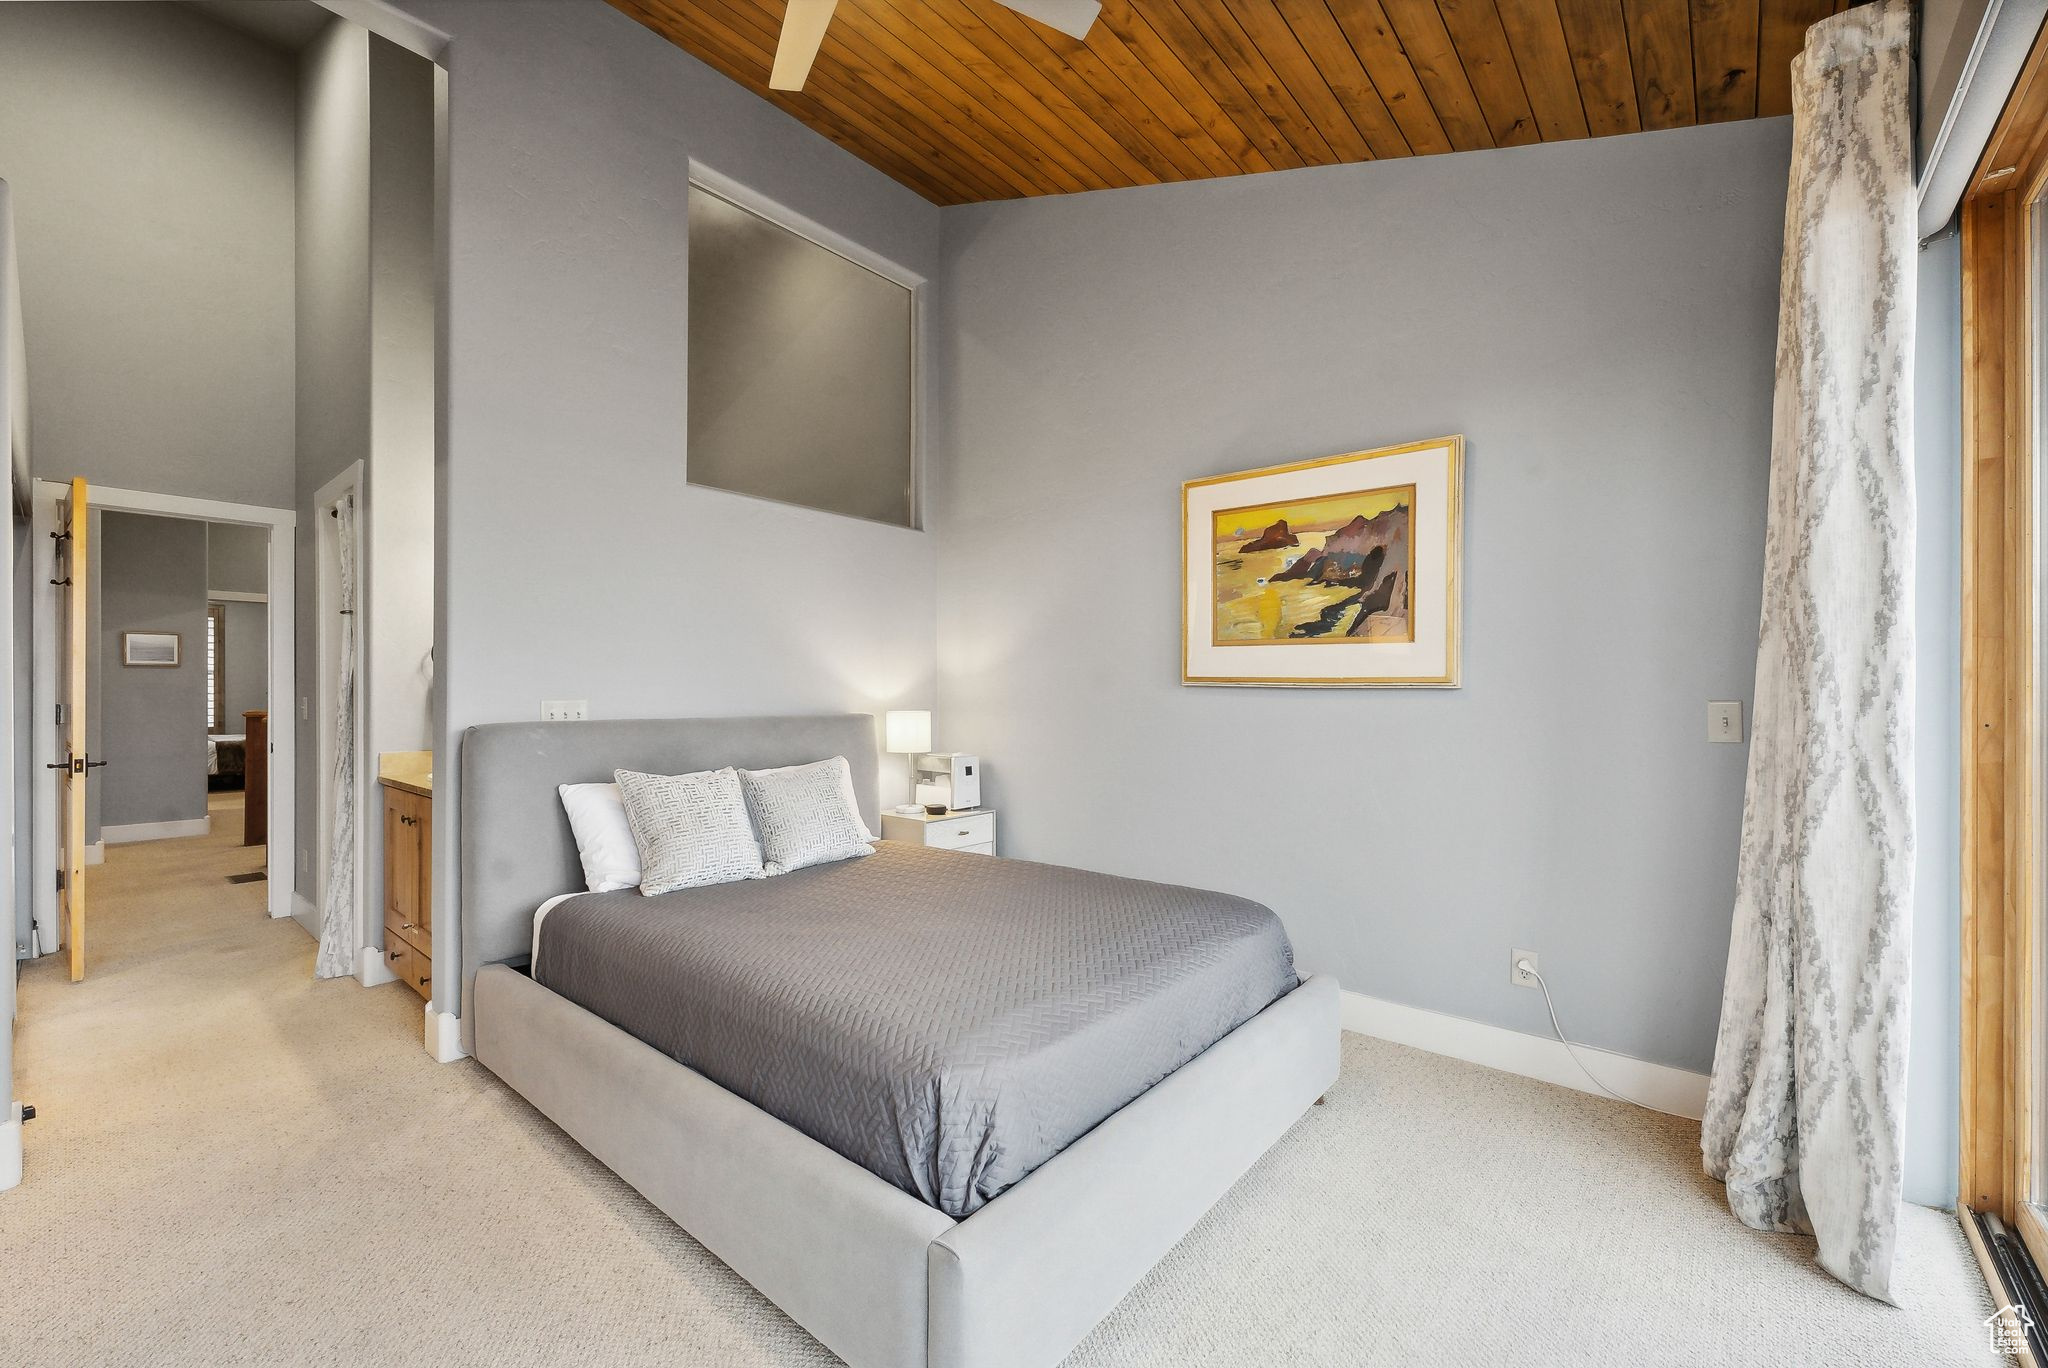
(801, 369)
(216, 667)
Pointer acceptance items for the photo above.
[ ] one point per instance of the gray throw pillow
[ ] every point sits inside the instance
(691, 829)
(806, 814)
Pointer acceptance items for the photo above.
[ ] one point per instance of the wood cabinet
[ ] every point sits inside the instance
(409, 887)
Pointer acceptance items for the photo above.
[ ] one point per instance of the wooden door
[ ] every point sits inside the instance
(76, 766)
(401, 861)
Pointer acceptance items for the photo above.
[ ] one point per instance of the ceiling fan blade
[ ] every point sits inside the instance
(803, 29)
(1071, 17)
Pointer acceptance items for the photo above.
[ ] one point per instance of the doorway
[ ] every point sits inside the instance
(274, 757)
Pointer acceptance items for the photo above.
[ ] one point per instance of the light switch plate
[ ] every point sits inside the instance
(564, 709)
(1724, 722)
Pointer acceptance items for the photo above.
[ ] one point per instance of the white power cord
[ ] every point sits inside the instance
(1526, 967)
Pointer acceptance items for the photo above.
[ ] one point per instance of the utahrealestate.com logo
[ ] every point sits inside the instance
(2008, 1328)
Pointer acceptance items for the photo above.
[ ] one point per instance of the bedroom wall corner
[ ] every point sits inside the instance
(1597, 319)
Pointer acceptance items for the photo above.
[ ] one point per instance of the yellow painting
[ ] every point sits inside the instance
(1335, 568)
(1338, 572)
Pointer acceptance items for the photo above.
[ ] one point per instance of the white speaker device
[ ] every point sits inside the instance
(951, 782)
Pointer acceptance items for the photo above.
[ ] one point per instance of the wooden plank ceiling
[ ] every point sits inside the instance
(964, 100)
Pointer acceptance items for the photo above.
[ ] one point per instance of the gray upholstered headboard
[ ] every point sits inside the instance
(517, 851)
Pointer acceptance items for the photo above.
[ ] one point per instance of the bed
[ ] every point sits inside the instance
(1005, 1229)
(226, 761)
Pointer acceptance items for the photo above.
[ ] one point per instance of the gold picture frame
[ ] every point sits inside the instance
(1337, 572)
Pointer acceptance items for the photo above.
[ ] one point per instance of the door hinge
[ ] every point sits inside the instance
(60, 714)
(60, 881)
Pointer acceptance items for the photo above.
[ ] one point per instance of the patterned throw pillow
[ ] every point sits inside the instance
(691, 829)
(806, 814)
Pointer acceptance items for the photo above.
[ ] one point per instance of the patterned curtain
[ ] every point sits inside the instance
(1803, 1116)
(338, 900)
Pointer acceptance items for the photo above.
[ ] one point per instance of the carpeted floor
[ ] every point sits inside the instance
(235, 1164)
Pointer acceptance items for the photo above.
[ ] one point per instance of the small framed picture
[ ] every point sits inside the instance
(159, 649)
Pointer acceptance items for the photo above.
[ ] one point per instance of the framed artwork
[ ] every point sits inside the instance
(158, 649)
(1335, 573)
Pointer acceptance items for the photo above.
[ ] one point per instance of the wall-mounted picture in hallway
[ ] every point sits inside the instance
(1336, 572)
(159, 649)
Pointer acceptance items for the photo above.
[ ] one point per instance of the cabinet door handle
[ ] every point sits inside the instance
(425, 979)
(391, 955)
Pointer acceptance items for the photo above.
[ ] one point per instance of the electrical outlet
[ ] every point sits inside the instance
(1724, 723)
(305, 862)
(305, 708)
(564, 709)
(1515, 974)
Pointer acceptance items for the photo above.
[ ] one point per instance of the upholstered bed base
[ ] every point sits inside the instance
(881, 1279)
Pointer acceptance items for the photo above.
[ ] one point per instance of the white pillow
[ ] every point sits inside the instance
(806, 815)
(690, 829)
(604, 840)
(845, 786)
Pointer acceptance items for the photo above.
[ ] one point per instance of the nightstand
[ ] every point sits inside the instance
(973, 832)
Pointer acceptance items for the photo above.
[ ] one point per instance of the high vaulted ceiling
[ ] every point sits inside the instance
(964, 100)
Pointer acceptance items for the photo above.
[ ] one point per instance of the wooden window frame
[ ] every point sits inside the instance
(2003, 220)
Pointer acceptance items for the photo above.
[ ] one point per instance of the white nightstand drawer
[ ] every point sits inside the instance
(971, 832)
(961, 831)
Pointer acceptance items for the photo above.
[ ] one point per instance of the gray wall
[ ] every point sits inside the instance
(152, 721)
(151, 154)
(1598, 320)
(237, 559)
(333, 345)
(1933, 1058)
(399, 583)
(576, 560)
(245, 683)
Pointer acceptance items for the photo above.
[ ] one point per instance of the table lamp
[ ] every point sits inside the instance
(907, 734)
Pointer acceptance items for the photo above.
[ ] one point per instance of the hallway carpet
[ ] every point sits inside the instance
(237, 1165)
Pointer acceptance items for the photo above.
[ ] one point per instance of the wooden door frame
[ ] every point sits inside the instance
(2001, 769)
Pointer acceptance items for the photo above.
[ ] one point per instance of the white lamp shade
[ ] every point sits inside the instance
(907, 733)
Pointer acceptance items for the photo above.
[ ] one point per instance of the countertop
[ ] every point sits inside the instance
(412, 771)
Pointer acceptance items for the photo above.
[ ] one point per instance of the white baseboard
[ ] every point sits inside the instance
(96, 853)
(372, 968)
(1660, 1086)
(10, 1149)
(304, 913)
(130, 832)
(444, 1036)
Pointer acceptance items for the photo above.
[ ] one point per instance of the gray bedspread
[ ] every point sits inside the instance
(947, 1021)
